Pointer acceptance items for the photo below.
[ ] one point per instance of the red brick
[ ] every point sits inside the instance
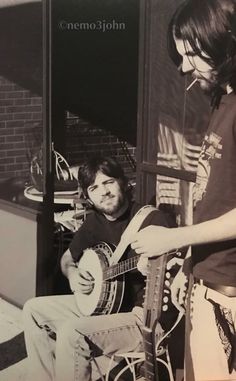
(27, 94)
(2, 153)
(13, 167)
(14, 152)
(36, 101)
(6, 146)
(26, 165)
(16, 109)
(6, 175)
(20, 130)
(36, 109)
(15, 138)
(6, 132)
(15, 123)
(23, 116)
(23, 108)
(5, 117)
(23, 173)
(14, 95)
(22, 159)
(18, 145)
(6, 102)
(37, 116)
(7, 160)
(7, 87)
(24, 101)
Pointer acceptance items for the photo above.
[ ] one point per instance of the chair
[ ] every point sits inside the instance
(134, 358)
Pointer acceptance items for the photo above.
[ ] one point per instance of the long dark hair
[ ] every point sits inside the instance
(209, 26)
(107, 165)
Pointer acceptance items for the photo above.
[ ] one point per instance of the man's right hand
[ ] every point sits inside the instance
(80, 280)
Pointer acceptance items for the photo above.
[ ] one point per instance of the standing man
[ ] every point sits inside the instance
(202, 40)
(60, 343)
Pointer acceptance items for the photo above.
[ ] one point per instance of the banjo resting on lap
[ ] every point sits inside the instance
(103, 265)
(107, 294)
(102, 262)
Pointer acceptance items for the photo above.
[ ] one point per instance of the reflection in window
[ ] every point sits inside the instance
(175, 151)
(20, 95)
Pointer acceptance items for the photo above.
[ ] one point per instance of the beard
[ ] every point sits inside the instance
(207, 84)
(111, 204)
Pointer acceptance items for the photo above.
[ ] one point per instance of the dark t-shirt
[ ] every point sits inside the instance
(215, 193)
(97, 228)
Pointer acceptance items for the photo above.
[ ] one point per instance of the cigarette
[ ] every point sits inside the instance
(191, 84)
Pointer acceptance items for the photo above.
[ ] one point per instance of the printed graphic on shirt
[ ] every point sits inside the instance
(211, 149)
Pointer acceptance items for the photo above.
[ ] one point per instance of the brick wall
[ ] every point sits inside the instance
(20, 125)
(84, 139)
(21, 135)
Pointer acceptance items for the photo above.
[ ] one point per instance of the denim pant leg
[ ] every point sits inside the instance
(79, 340)
(42, 317)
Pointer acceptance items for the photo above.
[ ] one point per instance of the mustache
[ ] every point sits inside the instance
(107, 197)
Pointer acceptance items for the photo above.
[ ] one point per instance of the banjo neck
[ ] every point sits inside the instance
(121, 268)
(117, 268)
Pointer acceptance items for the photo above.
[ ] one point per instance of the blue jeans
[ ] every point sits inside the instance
(78, 339)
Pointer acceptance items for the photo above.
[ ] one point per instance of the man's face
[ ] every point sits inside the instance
(106, 194)
(195, 65)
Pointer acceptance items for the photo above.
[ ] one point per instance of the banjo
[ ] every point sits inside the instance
(107, 294)
(104, 266)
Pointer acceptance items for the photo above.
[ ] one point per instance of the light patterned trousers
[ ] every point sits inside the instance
(205, 359)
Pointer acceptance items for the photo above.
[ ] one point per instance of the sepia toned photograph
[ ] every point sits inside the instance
(117, 190)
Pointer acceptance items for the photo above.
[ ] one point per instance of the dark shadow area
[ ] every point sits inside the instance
(12, 351)
(21, 45)
(95, 71)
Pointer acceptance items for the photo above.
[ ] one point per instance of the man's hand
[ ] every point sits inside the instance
(80, 280)
(142, 265)
(155, 240)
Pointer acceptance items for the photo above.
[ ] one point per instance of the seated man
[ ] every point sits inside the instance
(61, 343)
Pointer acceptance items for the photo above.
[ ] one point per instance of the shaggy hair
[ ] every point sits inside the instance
(209, 26)
(107, 165)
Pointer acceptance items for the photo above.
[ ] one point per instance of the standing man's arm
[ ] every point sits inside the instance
(156, 240)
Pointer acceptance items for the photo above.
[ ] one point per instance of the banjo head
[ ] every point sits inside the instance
(94, 260)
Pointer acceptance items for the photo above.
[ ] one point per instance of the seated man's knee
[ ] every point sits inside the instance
(32, 305)
(33, 310)
(72, 333)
